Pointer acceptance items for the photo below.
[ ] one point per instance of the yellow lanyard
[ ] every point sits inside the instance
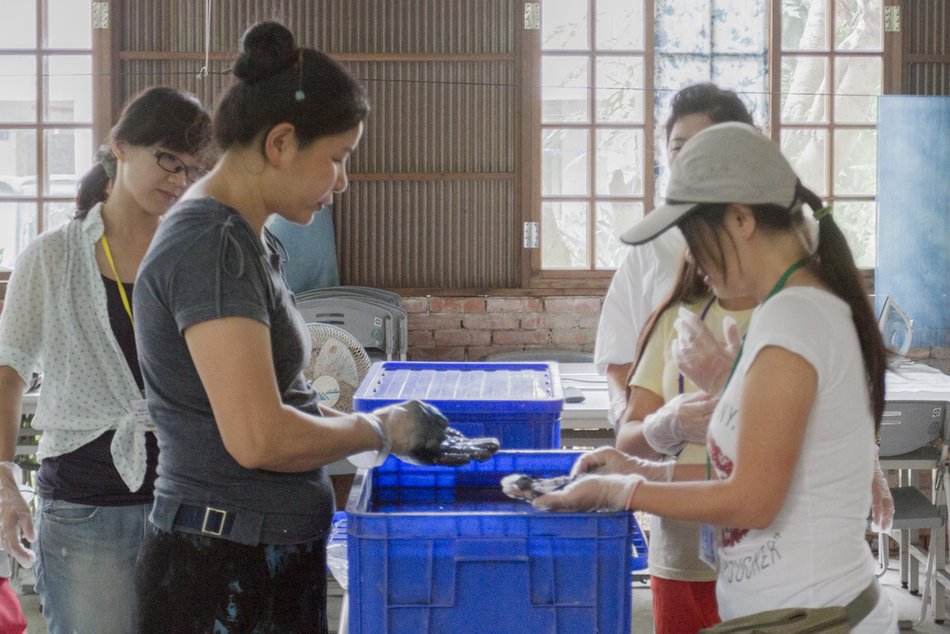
(118, 280)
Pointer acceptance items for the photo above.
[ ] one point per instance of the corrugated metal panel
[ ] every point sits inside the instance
(140, 74)
(429, 116)
(928, 79)
(338, 26)
(927, 27)
(428, 234)
(438, 117)
(927, 33)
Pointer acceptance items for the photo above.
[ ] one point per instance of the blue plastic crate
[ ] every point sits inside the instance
(518, 403)
(441, 549)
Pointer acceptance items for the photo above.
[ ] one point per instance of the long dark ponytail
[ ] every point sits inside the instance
(836, 268)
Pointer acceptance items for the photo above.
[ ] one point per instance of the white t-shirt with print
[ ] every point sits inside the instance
(814, 554)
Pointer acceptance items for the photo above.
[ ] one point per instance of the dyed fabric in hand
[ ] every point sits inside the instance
(525, 487)
(456, 450)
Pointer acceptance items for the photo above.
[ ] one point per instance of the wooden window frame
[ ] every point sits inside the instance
(534, 277)
(102, 91)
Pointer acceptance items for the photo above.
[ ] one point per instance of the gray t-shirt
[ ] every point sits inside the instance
(206, 263)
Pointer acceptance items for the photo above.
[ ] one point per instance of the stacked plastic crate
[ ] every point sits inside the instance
(441, 549)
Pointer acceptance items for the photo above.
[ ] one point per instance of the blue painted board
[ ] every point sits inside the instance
(913, 229)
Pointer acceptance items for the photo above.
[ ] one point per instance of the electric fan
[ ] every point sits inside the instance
(337, 365)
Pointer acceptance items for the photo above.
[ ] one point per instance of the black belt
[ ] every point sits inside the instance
(206, 520)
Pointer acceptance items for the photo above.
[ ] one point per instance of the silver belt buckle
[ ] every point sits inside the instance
(223, 515)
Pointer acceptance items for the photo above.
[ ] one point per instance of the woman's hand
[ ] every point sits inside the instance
(699, 355)
(610, 461)
(592, 492)
(411, 426)
(882, 502)
(16, 521)
(683, 419)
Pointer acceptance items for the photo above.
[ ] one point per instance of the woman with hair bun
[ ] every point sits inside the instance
(243, 503)
(68, 315)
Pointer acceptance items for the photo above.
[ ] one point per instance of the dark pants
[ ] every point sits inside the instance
(191, 583)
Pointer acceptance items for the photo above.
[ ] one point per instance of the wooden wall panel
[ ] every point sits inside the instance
(438, 117)
(925, 30)
(439, 234)
(432, 202)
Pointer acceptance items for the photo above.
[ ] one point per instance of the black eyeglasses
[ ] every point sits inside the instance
(174, 165)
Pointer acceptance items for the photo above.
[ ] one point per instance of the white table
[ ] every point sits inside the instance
(585, 424)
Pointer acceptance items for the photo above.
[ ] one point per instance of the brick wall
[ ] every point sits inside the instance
(471, 328)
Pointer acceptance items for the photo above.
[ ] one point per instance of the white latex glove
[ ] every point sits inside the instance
(610, 461)
(882, 503)
(592, 493)
(16, 521)
(403, 429)
(699, 355)
(682, 419)
(615, 411)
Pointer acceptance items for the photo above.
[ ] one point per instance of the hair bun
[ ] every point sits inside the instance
(266, 49)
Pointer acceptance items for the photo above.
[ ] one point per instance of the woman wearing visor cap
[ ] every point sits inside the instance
(792, 439)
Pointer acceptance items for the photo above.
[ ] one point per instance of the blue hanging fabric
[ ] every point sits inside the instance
(311, 251)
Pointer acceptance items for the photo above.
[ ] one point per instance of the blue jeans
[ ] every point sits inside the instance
(85, 566)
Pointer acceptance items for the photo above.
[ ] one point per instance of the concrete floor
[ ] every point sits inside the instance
(908, 607)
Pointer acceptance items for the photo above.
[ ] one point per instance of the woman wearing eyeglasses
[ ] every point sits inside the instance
(68, 314)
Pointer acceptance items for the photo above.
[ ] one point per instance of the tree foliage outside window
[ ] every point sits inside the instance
(595, 171)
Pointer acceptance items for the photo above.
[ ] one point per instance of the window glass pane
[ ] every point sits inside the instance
(859, 25)
(564, 89)
(564, 233)
(620, 91)
(564, 163)
(17, 228)
(739, 27)
(18, 26)
(17, 159)
(804, 89)
(855, 164)
(70, 24)
(18, 96)
(804, 25)
(70, 88)
(57, 214)
(857, 86)
(806, 151)
(564, 25)
(674, 72)
(619, 25)
(747, 76)
(619, 167)
(612, 219)
(858, 223)
(682, 26)
(68, 155)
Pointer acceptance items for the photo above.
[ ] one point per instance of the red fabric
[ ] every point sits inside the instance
(683, 607)
(12, 619)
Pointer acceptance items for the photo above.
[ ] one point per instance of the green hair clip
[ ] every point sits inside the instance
(106, 158)
(824, 211)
